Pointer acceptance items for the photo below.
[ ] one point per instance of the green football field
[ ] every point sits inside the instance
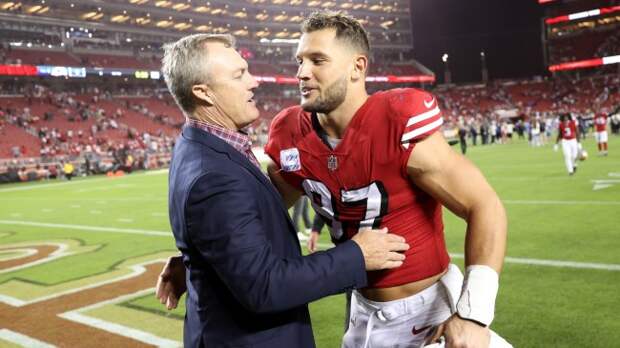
(105, 238)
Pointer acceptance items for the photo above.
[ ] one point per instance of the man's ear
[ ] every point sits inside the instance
(360, 65)
(203, 92)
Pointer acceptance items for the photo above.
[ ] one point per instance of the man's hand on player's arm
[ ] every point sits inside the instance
(289, 194)
(455, 182)
(171, 282)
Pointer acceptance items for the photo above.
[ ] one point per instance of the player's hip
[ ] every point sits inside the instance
(406, 321)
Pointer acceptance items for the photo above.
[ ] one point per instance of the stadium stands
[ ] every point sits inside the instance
(57, 117)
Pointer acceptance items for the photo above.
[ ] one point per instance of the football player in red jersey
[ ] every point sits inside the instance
(568, 133)
(600, 125)
(369, 161)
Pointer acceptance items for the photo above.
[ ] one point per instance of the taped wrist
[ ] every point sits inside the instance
(477, 301)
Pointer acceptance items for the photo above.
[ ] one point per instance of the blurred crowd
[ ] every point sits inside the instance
(106, 125)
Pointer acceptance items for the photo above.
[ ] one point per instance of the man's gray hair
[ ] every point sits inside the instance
(183, 66)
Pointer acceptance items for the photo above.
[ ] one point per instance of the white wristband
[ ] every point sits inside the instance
(478, 295)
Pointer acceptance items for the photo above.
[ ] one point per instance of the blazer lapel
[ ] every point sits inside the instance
(221, 146)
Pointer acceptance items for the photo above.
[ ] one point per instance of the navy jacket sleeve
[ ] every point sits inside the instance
(224, 224)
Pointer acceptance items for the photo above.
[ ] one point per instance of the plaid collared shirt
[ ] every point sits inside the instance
(240, 141)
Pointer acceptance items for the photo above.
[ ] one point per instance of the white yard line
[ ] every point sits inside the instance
(555, 263)
(163, 198)
(52, 185)
(558, 202)
(88, 228)
(78, 182)
(538, 262)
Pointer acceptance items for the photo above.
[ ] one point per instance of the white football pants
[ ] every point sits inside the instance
(406, 322)
(571, 151)
(601, 137)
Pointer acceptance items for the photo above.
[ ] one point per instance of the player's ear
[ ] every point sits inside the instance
(203, 93)
(360, 65)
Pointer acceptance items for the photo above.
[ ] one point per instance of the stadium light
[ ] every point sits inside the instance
(447, 77)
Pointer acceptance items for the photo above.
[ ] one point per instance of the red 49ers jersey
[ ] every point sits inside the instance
(600, 122)
(363, 181)
(568, 129)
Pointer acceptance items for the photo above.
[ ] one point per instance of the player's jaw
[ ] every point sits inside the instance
(316, 99)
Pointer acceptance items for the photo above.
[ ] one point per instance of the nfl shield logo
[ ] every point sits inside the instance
(332, 163)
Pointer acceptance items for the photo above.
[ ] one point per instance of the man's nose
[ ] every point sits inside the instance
(303, 72)
(253, 82)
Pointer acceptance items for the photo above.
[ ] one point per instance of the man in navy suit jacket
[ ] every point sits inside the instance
(247, 283)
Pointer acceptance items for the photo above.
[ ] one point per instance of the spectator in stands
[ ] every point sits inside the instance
(53, 171)
(22, 174)
(15, 151)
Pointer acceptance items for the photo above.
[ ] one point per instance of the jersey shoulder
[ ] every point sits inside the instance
(287, 127)
(415, 112)
(286, 121)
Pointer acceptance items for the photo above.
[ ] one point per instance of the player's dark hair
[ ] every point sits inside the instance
(347, 28)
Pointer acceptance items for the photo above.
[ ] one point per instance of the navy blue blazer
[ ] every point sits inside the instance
(248, 284)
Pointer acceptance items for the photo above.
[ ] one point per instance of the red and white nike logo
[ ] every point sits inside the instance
(415, 331)
(429, 104)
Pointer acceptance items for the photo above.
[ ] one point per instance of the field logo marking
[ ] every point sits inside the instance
(32, 253)
(22, 340)
(58, 319)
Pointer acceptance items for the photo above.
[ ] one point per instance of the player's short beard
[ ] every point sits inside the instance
(333, 96)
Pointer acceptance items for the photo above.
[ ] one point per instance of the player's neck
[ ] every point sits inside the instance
(335, 123)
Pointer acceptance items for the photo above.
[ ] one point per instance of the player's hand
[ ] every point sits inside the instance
(313, 241)
(381, 250)
(460, 333)
(171, 282)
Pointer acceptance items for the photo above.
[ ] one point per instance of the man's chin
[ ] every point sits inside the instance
(307, 105)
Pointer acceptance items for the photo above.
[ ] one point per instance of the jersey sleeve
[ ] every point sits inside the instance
(276, 137)
(417, 114)
(283, 133)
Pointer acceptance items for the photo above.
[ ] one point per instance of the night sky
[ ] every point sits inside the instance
(509, 31)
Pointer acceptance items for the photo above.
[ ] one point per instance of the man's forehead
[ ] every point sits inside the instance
(316, 41)
(227, 57)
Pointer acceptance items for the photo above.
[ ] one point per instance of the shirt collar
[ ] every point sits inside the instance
(237, 139)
